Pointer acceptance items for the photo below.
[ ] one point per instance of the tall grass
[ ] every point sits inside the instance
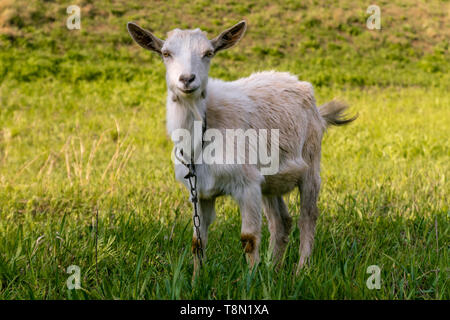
(82, 129)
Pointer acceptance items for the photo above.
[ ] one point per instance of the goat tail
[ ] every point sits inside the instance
(333, 113)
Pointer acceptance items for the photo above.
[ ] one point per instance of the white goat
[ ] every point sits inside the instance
(265, 100)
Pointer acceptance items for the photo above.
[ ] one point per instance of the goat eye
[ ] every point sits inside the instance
(208, 54)
(166, 54)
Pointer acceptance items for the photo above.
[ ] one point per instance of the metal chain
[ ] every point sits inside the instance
(192, 178)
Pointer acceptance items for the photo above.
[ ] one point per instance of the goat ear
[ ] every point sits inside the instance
(145, 38)
(229, 37)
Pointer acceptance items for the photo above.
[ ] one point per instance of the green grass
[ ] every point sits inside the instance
(82, 128)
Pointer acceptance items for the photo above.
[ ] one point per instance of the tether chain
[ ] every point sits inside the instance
(192, 179)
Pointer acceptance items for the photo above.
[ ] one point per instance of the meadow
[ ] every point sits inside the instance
(82, 134)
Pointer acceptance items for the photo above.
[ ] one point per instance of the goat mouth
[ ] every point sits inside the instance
(188, 91)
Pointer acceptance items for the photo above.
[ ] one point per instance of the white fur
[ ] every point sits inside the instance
(265, 100)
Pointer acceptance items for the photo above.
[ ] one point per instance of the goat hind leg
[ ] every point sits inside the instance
(309, 192)
(280, 223)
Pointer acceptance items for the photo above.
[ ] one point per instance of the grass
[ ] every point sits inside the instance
(82, 129)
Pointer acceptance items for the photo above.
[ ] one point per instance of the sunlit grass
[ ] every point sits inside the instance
(82, 128)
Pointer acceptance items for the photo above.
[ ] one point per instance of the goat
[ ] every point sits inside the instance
(264, 100)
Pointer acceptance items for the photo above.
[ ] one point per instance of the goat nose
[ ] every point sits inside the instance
(187, 78)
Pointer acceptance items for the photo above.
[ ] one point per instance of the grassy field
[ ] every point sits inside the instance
(82, 130)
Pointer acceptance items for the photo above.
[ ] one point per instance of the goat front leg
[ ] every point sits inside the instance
(206, 214)
(250, 205)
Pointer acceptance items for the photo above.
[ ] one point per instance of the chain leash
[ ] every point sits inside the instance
(192, 179)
